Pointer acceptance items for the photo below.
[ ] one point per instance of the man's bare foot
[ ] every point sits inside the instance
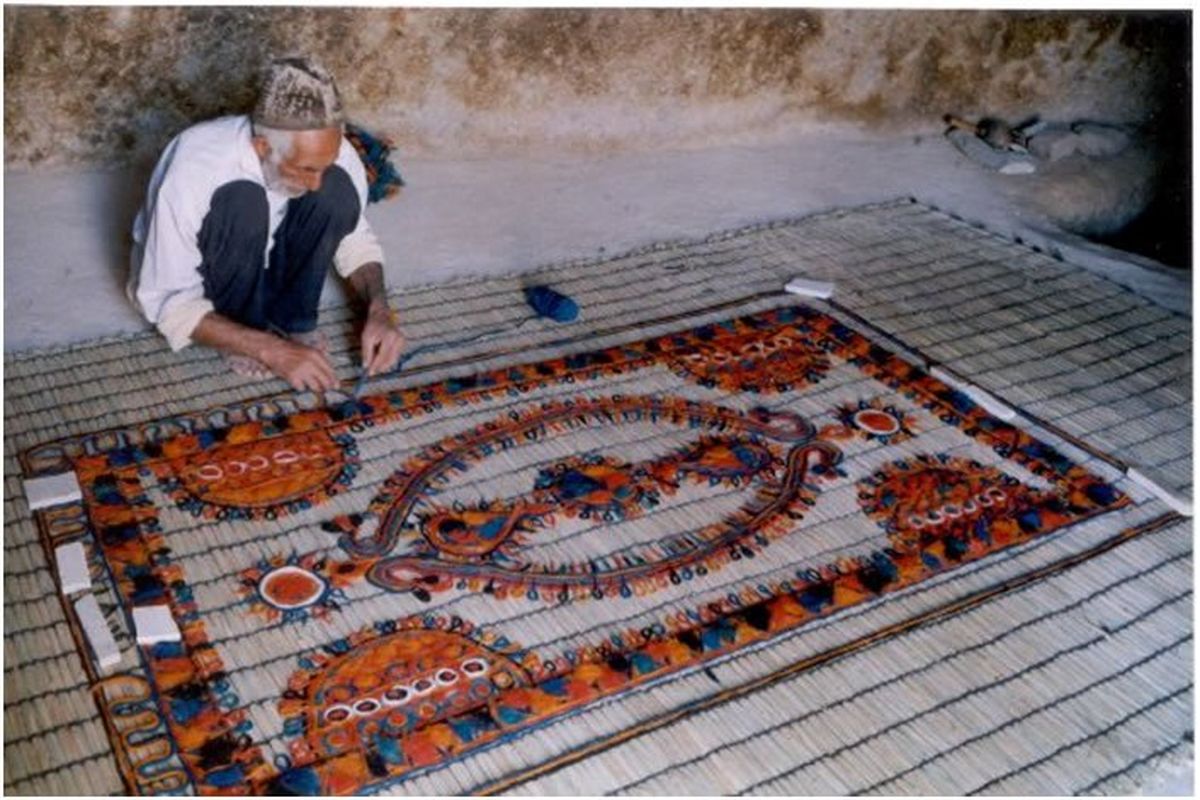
(314, 338)
(246, 366)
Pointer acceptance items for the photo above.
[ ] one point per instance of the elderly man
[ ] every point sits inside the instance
(242, 220)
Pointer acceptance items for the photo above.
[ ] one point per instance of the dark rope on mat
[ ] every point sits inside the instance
(952, 608)
(563, 341)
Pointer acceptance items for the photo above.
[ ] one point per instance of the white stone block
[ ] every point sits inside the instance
(1157, 484)
(104, 646)
(811, 288)
(73, 573)
(52, 490)
(990, 403)
(155, 624)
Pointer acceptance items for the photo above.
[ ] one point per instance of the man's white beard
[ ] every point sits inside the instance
(274, 180)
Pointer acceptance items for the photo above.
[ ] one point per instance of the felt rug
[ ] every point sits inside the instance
(696, 550)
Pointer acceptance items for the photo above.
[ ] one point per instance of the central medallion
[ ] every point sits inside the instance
(549, 502)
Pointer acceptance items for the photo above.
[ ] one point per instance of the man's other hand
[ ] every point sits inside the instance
(302, 366)
(382, 341)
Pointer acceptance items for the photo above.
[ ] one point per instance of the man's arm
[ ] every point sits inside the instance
(367, 282)
(303, 367)
(382, 341)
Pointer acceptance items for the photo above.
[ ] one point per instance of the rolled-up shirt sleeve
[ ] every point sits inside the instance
(169, 288)
(360, 246)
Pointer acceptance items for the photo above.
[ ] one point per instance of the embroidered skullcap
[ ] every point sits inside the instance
(298, 94)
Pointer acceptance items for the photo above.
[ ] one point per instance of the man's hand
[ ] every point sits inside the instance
(302, 366)
(382, 341)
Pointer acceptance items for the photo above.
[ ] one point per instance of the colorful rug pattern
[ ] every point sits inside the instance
(940, 481)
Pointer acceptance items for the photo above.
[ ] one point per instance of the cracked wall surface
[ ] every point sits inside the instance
(110, 86)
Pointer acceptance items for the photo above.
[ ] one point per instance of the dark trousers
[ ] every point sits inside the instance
(233, 238)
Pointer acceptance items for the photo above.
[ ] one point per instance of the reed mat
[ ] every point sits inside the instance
(705, 540)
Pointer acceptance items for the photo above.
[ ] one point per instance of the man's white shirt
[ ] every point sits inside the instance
(164, 278)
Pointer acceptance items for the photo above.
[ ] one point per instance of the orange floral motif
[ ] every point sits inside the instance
(769, 455)
(263, 472)
(769, 360)
(936, 498)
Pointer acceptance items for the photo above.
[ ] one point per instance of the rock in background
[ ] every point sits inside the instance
(111, 85)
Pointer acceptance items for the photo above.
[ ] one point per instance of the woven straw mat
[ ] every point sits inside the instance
(1077, 682)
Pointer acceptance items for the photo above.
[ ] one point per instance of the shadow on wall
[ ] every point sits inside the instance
(124, 200)
(1163, 231)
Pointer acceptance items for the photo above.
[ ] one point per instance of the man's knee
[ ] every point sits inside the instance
(232, 240)
(240, 201)
(236, 220)
(337, 198)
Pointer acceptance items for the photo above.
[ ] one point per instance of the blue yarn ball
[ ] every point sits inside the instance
(549, 303)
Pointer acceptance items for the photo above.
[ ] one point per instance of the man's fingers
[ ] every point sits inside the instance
(391, 352)
(325, 371)
(382, 344)
(322, 382)
(370, 345)
(368, 348)
(300, 383)
(316, 381)
(377, 362)
(387, 354)
(303, 379)
(377, 359)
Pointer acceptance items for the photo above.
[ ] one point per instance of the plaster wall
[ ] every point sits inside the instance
(104, 87)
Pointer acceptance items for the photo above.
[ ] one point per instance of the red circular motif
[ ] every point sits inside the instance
(878, 422)
(291, 587)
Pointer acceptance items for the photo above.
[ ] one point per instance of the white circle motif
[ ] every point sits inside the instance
(397, 689)
(474, 666)
(210, 472)
(368, 705)
(342, 712)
